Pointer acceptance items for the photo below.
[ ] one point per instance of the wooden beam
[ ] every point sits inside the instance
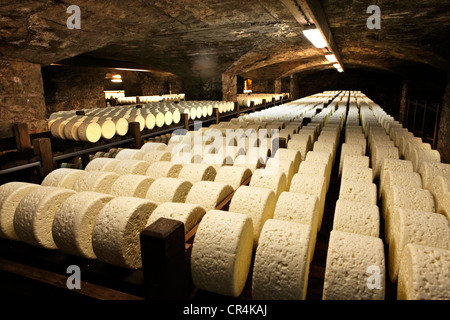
(43, 148)
(22, 136)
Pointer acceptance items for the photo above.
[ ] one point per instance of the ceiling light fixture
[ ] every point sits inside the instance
(116, 78)
(337, 66)
(315, 37)
(331, 57)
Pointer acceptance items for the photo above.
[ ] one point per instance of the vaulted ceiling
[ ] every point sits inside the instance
(200, 38)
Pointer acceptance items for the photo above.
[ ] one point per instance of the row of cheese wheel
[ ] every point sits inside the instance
(414, 231)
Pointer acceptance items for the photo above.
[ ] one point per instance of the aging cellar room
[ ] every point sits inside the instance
(231, 150)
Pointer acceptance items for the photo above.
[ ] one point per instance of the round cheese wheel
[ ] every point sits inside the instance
(71, 129)
(11, 193)
(161, 169)
(97, 181)
(208, 194)
(131, 185)
(256, 202)
(62, 177)
(157, 155)
(415, 144)
(150, 121)
(357, 217)
(222, 252)
(234, 176)
(429, 170)
(407, 198)
(169, 190)
(356, 161)
(440, 188)
(73, 222)
(188, 213)
(418, 156)
(417, 227)
(379, 154)
(282, 165)
(160, 119)
(102, 164)
(358, 191)
(34, 215)
(115, 236)
(355, 267)
(327, 147)
(271, 179)
(390, 164)
(108, 128)
(195, 172)
(281, 266)
(357, 174)
(150, 146)
(351, 150)
(423, 273)
(89, 131)
(301, 208)
(290, 154)
(121, 125)
(131, 166)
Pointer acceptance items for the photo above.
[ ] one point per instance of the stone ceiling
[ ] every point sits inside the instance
(199, 38)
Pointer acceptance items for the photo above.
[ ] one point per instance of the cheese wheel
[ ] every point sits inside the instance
(149, 146)
(137, 118)
(398, 178)
(168, 190)
(320, 157)
(355, 267)
(290, 154)
(121, 125)
(222, 252)
(356, 161)
(418, 156)
(351, 150)
(131, 166)
(11, 193)
(131, 185)
(89, 131)
(281, 267)
(327, 147)
(150, 120)
(282, 165)
(357, 140)
(302, 143)
(407, 198)
(208, 194)
(130, 154)
(379, 154)
(390, 164)
(315, 169)
(157, 155)
(271, 179)
(62, 177)
(195, 172)
(357, 174)
(312, 185)
(108, 128)
(430, 170)
(440, 188)
(415, 145)
(188, 213)
(97, 181)
(423, 273)
(34, 215)
(358, 191)
(256, 202)
(102, 164)
(161, 169)
(417, 227)
(404, 142)
(71, 129)
(73, 222)
(234, 176)
(115, 236)
(300, 208)
(357, 217)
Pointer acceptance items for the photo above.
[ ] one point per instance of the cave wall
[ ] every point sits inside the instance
(22, 95)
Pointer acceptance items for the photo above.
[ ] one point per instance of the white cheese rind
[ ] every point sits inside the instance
(348, 149)
(424, 273)
(358, 191)
(256, 202)
(130, 166)
(440, 189)
(188, 213)
(269, 178)
(357, 217)
(357, 174)
(102, 164)
(195, 172)
(62, 178)
(11, 193)
(390, 164)
(97, 181)
(430, 170)
(355, 268)
(74, 221)
(281, 266)
(115, 236)
(34, 215)
(168, 190)
(131, 185)
(208, 194)
(233, 175)
(417, 227)
(290, 154)
(161, 169)
(222, 252)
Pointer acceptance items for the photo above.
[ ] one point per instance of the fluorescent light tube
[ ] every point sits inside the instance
(331, 58)
(315, 37)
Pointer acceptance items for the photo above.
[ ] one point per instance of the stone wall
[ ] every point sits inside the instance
(22, 95)
(443, 145)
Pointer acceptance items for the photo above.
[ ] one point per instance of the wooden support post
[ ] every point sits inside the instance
(282, 99)
(138, 100)
(237, 108)
(252, 105)
(216, 113)
(264, 104)
(186, 121)
(43, 148)
(163, 260)
(273, 101)
(80, 113)
(282, 142)
(22, 136)
(135, 129)
(85, 160)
